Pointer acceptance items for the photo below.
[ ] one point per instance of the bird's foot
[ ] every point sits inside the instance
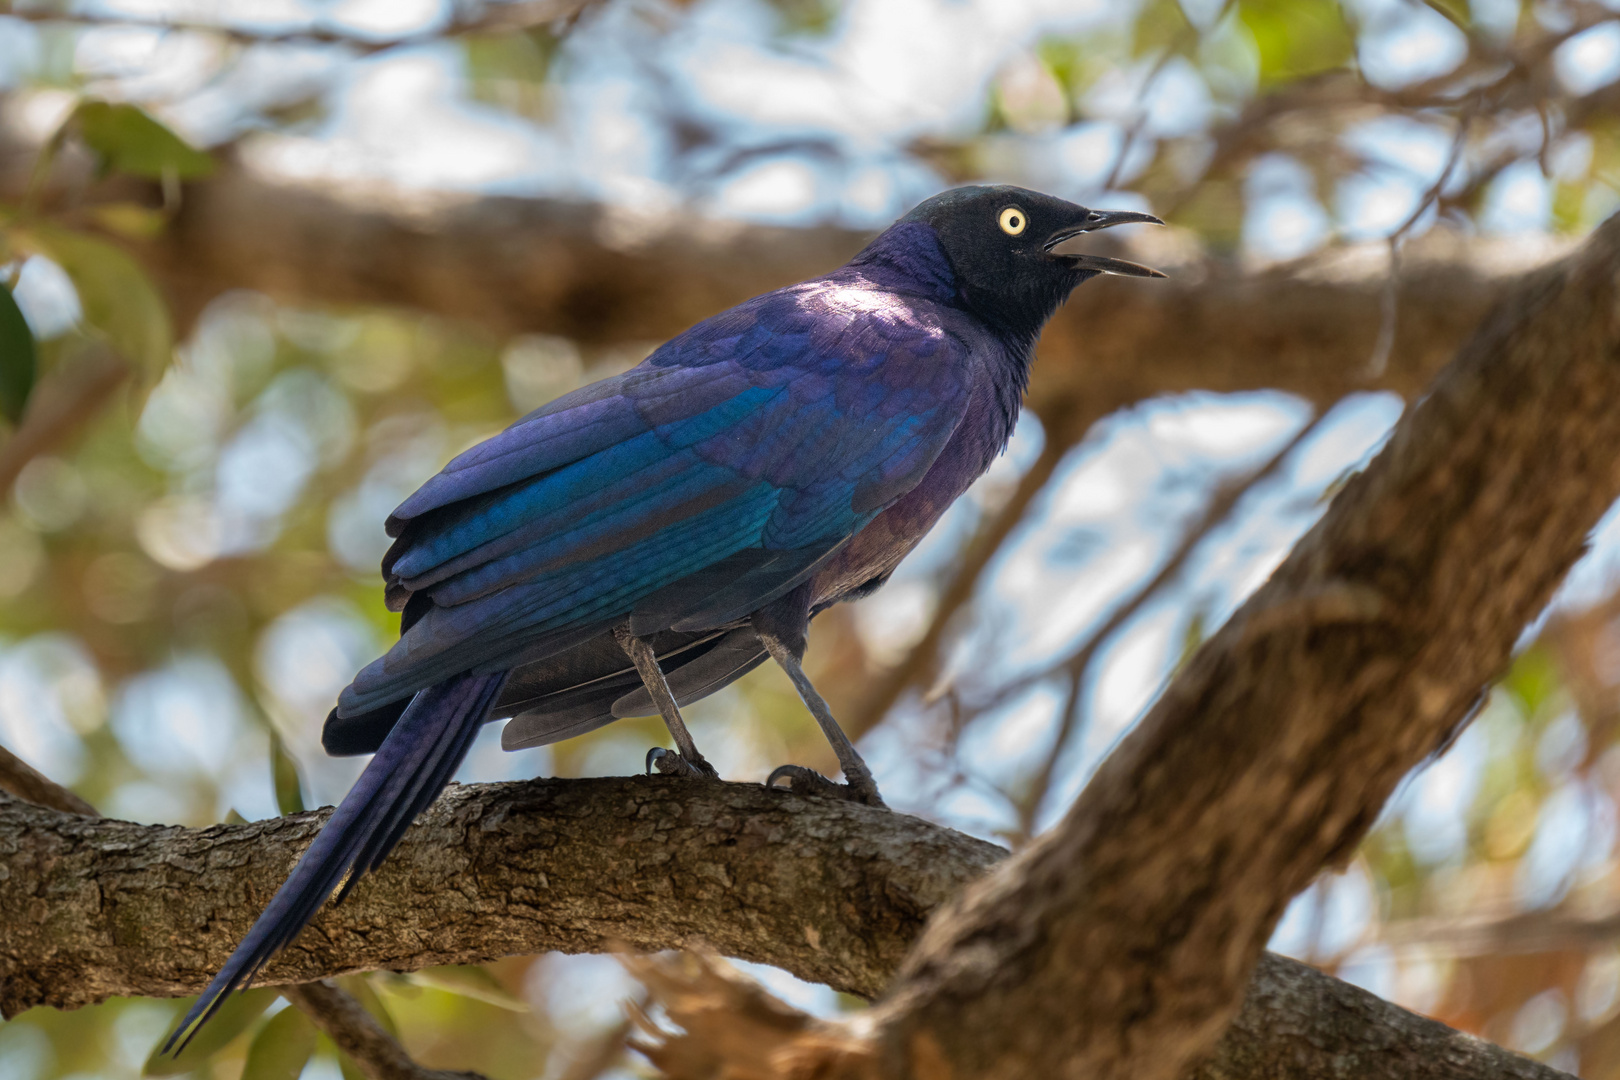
(803, 781)
(670, 763)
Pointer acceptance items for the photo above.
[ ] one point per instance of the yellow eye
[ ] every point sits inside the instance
(1013, 220)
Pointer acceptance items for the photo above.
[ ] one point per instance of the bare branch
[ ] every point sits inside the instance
(358, 1034)
(1226, 498)
(66, 399)
(475, 18)
(832, 892)
(29, 784)
(335, 1012)
(1118, 944)
(813, 886)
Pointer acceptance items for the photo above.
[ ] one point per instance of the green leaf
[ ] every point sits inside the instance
(234, 1016)
(1160, 25)
(359, 988)
(117, 297)
(282, 1047)
(348, 1068)
(284, 774)
(19, 357)
(1455, 10)
(127, 219)
(130, 141)
(469, 982)
(1296, 38)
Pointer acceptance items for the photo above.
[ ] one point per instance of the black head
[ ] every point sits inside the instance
(1000, 242)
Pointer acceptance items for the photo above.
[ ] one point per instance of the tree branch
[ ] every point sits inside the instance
(21, 779)
(335, 1012)
(830, 891)
(1119, 943)
(606, 275)
(65, 400)
(481, 18)
(358, 1034)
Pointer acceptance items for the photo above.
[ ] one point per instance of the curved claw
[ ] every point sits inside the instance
(671, 763)
(805, 781)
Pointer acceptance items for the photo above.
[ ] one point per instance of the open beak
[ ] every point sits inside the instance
(1102, 219)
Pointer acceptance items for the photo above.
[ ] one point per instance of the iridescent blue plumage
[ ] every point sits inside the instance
(772, 460)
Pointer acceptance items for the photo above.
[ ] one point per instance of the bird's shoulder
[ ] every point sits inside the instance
(842, 324)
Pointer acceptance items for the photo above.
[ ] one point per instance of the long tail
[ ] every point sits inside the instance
(412, 766)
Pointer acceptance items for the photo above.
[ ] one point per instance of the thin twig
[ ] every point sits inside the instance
(1225, 499)
(21, 779)
(488, 18)
(1388, 304)
(358, 1034)
(63, 402)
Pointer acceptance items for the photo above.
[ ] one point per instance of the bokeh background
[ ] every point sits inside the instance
(189, 574)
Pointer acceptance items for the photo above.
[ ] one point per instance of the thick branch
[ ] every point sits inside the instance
(1132, 927)
(829, 891)
(605, 275)
(1298, 1024)
(108, 908)
(602, 275)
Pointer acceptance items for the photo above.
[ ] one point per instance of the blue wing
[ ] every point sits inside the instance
(685, 493)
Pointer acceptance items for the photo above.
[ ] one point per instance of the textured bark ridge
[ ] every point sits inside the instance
(1132, 927)
(827, 890)
(833, 892)
(1297, 1024)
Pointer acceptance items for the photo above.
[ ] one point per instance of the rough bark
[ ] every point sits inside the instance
(1297, 1024)
(814, 886)
(25, 782)
(96, 908)
(1119, 943)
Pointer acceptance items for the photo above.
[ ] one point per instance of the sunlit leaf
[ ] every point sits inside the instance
(1455, 10)
(282, 1047)
(509, 70)
(19, 357)
(131, 141)
(1533, 679)
(117, 297)
(234, 1016)
(284, 774)
(1296, 38)
(359, 987)
(469, 982)
(1160, 25)
(128, 219)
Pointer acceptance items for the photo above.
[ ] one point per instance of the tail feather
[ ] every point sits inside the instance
(412, 766)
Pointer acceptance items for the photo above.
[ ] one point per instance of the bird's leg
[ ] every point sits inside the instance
(688, 762)
(859, 786)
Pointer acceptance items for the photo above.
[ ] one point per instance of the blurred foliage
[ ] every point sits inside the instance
(18, 357)
(187, 582)
(129, 141)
